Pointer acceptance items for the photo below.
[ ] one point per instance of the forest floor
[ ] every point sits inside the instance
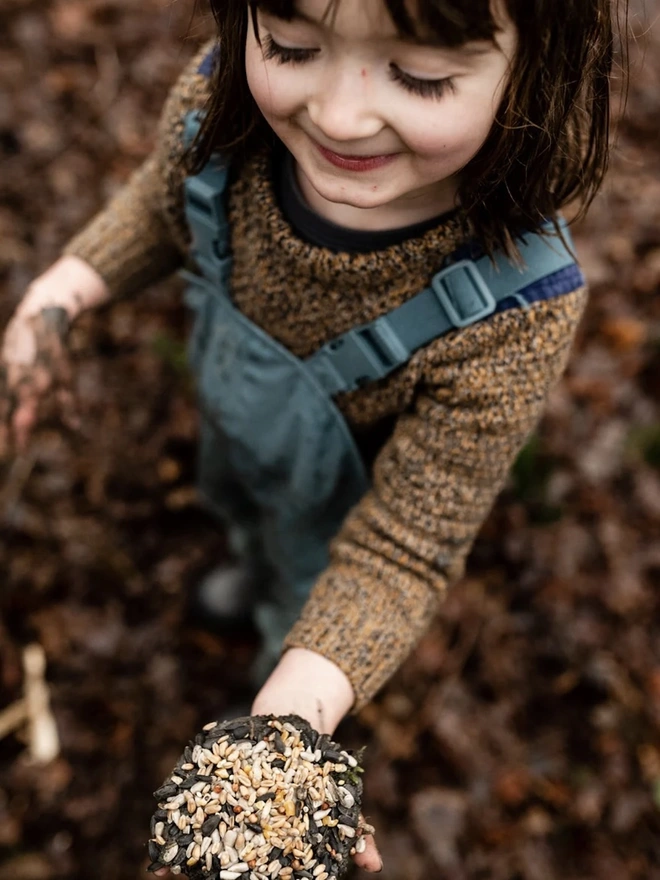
(521, 739)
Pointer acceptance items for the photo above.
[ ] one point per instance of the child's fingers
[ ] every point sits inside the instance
(18, 406)
(27, 388)
(370, 859)
(23, 421)
(46, 377)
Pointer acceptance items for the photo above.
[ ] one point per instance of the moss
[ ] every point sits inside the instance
(530, 476)
(643, 442)
(172, 352)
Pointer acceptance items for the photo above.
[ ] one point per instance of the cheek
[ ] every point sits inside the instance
(256, 79)
(271, 91)
(455, 135)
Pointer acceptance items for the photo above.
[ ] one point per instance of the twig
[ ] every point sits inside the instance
(44, 744)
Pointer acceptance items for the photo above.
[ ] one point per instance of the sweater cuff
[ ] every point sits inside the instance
(128, 263)
(368, 650)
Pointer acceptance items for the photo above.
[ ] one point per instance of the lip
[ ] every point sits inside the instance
(355, 163)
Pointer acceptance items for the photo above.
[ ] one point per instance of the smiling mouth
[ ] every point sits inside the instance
(355, 163)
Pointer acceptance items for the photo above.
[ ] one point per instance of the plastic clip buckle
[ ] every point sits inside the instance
(363, 354)
(461, 286)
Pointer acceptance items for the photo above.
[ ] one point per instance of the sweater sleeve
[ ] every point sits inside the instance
(140, 237)
(434, 483)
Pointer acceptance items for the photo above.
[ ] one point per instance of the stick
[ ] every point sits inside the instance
(44, 742)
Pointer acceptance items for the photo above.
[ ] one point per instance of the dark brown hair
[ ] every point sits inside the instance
(550, 141)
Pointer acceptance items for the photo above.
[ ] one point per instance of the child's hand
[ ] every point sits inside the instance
(34, 363)
(310, 685)
(307, 684)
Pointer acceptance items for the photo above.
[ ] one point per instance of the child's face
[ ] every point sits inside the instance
(348, 87)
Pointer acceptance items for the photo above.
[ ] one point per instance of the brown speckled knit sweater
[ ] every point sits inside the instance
(463, 406)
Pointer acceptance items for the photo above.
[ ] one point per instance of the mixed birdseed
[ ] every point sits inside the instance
(259, 798)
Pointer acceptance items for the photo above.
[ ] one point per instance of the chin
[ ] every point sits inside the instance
(362, 198)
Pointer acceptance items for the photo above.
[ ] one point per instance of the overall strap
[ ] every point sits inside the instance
(459, 295)
(205, 210)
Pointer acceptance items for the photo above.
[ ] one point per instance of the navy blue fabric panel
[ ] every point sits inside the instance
(565, 281)
(206, 67)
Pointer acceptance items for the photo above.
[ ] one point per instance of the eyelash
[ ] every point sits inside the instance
(425, 88)
(283, 55)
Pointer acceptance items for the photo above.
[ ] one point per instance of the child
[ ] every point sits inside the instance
(356, 149)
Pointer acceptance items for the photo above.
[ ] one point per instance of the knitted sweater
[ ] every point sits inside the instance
(449, 423)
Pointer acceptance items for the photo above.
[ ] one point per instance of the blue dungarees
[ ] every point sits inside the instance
(278, 462)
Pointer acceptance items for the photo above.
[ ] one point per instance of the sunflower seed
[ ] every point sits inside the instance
(169, 853)
(345, 798)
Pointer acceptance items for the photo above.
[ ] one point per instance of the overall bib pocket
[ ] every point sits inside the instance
(286, 440)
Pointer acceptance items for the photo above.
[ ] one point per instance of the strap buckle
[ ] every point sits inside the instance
(205, 213)
(363, 354)
(463, 293)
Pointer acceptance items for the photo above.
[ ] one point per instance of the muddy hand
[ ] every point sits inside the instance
(34, 368)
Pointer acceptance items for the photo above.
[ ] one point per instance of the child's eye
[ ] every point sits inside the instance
(286, 56)
(425, 88)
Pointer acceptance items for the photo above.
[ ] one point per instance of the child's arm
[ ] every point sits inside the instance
(141, 235)
(139, 238)
(482, 392)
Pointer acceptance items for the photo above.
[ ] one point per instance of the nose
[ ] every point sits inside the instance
(342, 107)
